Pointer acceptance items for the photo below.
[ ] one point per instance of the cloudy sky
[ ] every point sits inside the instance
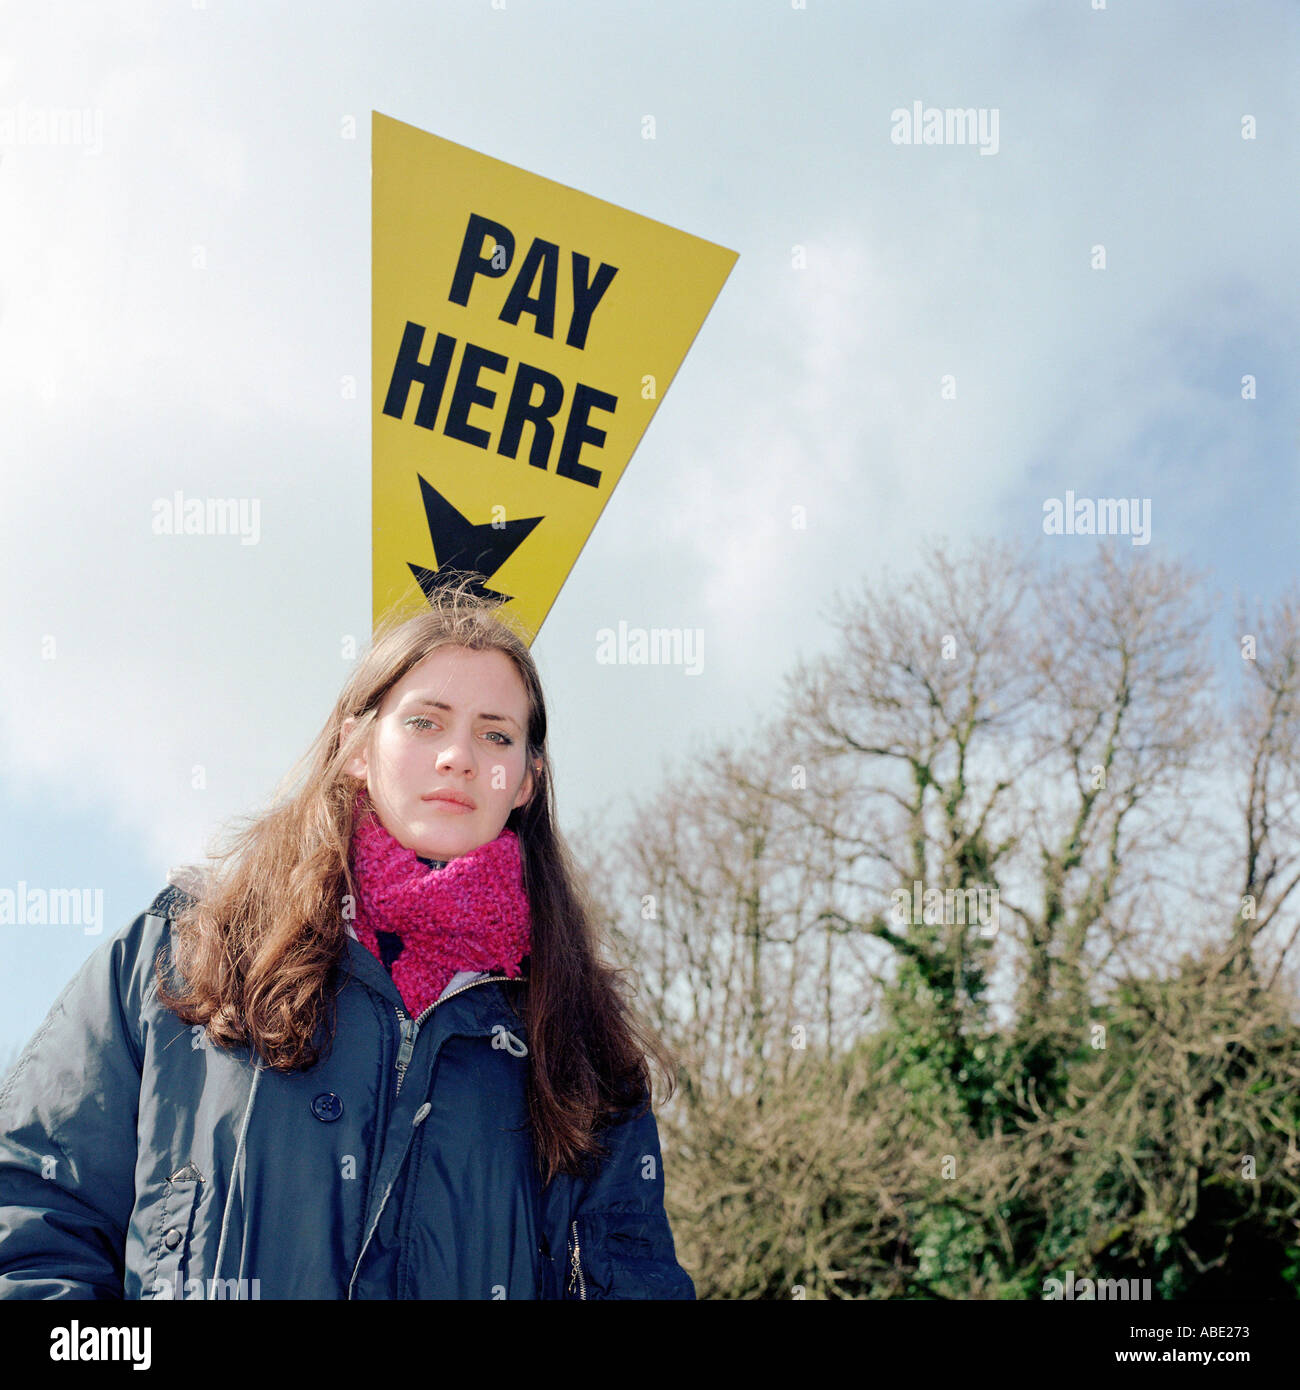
(184, 284)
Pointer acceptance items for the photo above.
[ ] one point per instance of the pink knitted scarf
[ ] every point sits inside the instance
(473, 914)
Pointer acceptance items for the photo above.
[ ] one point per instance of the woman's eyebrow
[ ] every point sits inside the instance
(425, 702)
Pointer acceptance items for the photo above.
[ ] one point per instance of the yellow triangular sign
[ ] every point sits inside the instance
(522, 335)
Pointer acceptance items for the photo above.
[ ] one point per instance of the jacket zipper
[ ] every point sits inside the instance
(575, 1271)
(410, 1031)
(411, 1026)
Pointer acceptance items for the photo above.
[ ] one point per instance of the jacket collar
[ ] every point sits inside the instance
(479, 1007)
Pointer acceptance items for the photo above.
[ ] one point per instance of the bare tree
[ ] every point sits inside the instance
(1267, 739)
(856, 1120)
(1124, 713)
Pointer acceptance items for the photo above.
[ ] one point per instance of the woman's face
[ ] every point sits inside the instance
(455, 723)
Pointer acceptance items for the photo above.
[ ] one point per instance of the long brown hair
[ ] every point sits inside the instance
(258, 947)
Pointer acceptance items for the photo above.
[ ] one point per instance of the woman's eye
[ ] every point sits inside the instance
(418, 721)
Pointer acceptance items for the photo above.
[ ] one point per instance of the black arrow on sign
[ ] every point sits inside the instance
(461, 547)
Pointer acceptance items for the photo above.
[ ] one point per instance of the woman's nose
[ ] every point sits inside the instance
(455, 754)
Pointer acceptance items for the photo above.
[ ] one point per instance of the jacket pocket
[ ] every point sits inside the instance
(169, 1248)
(623, 1254)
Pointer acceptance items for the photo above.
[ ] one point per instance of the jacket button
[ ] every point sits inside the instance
(172, 1239)
(327, 1106)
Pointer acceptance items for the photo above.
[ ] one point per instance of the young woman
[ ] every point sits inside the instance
(374, 1052)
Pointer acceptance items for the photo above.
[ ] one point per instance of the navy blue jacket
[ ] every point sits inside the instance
(139, 1161)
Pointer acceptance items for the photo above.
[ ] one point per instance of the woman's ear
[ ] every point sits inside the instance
(532, 779)
(356, 765)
